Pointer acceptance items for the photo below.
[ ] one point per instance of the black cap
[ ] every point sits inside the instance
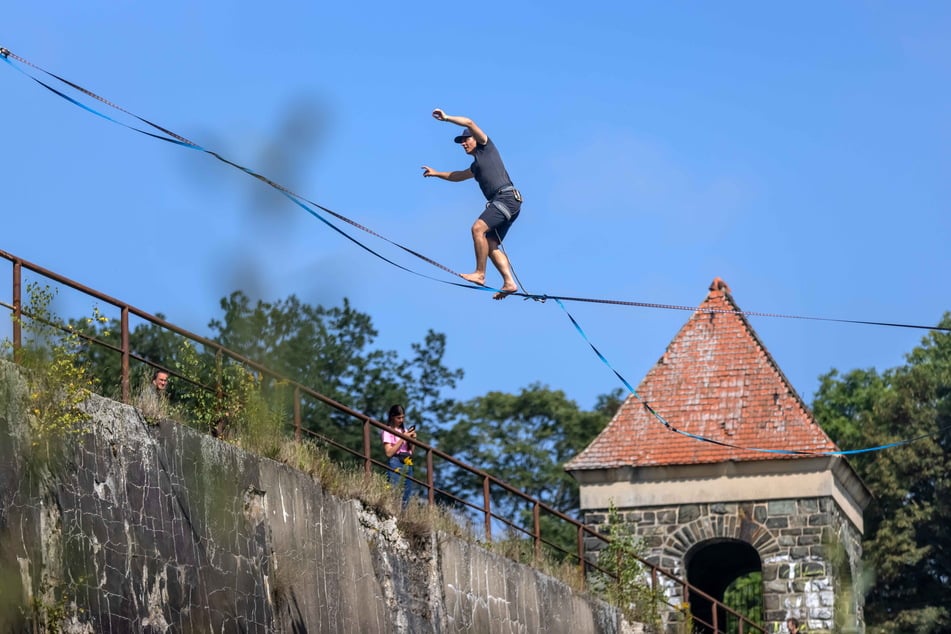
(462, 137)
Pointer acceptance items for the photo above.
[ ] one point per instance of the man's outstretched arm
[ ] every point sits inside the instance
(480, 136)
(455, 177)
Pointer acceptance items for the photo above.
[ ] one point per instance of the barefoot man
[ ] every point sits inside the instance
(501, 210)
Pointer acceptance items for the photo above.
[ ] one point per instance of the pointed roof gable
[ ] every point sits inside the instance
(716, 380)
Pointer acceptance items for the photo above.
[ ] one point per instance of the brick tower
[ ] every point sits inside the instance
(714, 512)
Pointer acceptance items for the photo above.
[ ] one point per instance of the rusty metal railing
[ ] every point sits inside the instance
(489, 483)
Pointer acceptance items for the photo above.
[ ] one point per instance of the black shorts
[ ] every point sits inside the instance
(496, 219)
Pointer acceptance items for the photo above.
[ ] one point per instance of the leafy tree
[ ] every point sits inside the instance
(57, 383)
(328, 350)
(907, 541)
(524, 440)
(608, 405)
(625, 582)
(744, 595)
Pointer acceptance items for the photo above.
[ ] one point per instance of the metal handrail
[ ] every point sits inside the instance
(301, 391)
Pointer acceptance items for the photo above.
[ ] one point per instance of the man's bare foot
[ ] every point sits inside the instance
(475, 278)
(507, 290)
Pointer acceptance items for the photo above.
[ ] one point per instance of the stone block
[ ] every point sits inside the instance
(777, 522)
(781, 507)
(688, 513)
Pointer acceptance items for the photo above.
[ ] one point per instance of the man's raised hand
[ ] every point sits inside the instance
(439, 114)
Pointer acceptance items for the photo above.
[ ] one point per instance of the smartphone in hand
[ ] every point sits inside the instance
(413, 428)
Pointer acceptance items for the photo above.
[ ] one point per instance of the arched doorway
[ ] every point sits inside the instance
(712, 566)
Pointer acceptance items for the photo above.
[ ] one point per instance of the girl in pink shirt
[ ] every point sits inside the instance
(399, 452)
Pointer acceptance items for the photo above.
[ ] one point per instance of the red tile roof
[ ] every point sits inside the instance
(716, 380)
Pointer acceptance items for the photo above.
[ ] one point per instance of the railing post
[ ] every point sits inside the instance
(655, 591)
(297, 421)
(219, 376)
(367, 462)
(17, 310)
(488, 511)
(687, 600)
(537, 518)
(430, 480)
(617, 573)
(124, 335)
(581, 561)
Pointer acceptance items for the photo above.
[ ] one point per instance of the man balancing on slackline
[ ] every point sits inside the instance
(501, 210)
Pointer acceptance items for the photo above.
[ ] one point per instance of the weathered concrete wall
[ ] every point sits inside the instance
(142, 528)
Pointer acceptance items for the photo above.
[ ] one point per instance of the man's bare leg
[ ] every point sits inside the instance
(481, 244)
(501, 262)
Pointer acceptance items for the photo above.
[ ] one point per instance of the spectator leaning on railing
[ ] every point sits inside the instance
(399, 452)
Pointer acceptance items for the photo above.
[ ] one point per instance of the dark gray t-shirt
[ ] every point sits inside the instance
(488, 169)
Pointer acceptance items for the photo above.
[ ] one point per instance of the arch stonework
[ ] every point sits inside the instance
(809, 551)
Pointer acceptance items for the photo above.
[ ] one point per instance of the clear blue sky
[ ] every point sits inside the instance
(800, 151)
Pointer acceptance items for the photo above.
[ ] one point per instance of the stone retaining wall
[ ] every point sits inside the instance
(144, 528)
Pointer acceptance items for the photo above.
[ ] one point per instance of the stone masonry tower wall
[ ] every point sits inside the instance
(809, 551)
